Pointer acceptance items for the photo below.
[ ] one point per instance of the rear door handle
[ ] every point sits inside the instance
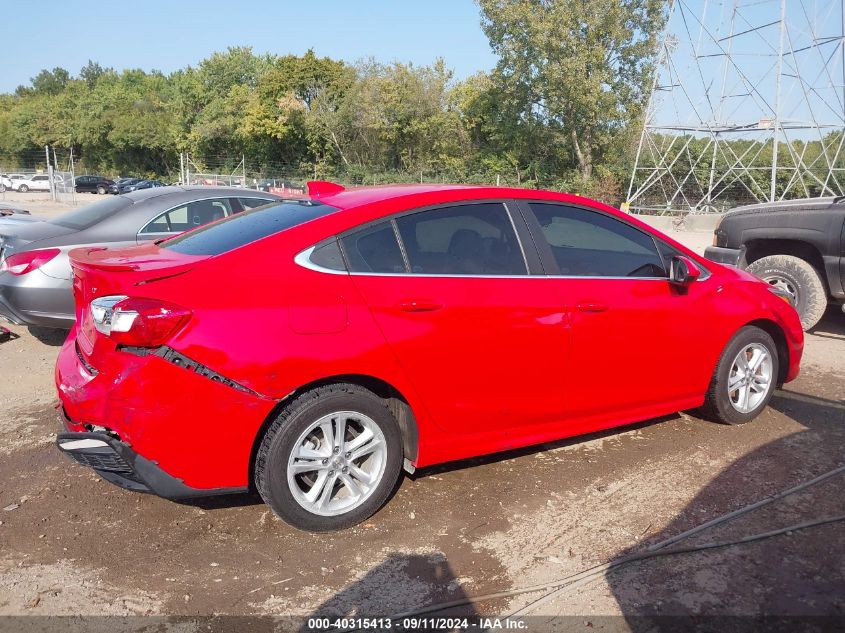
(418, 305)
(592, 306)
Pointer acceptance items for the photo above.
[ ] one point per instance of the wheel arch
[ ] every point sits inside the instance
(395, 401)
(758, 248)
(776, 332)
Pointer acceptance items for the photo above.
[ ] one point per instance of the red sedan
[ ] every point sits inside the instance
(313, 348)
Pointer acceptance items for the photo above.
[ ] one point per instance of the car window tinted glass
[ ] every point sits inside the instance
(588, 243)
(251, 203)
(374, 250)
(93, 213)
(189, 216)
(473, 239)
(246, 227)
(328, 256)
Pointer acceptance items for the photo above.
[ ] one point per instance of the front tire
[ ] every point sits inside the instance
(330, 459)
(23, 189)
(101, 191)
(800, 279)
(744, 379)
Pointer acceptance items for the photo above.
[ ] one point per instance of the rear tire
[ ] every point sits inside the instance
(726, 400)
(798, 277)
(318, 479)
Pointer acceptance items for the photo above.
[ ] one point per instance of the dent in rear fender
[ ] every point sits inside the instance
(197, 430)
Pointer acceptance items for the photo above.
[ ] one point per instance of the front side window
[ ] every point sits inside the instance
(472, 239)
(592, 244)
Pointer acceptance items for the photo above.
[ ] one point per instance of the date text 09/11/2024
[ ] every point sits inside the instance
(416, 623)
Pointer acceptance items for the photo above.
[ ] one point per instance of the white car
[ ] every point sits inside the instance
(37, 182)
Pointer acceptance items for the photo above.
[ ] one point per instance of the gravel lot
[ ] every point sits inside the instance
(71, 543)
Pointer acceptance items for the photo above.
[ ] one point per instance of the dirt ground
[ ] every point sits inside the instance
(71, 543)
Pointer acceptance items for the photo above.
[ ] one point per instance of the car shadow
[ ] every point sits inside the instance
(785, 582)
(406, 582)
(49, 336)
(253, 498)
(832, 324)
(492, 458)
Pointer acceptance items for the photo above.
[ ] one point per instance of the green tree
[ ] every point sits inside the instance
(573, 69)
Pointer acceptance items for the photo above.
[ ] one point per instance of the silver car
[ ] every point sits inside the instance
(35, 274)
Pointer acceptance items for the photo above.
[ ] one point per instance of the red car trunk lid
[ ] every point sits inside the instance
(131, 271)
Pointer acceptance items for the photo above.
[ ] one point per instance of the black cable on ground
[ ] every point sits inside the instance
(653, 551)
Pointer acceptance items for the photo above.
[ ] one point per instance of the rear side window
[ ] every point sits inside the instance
(588, 243)
(473, 239)
(189, 216)
(328, 255)
(246, 227)
(374, 250)
(251, 203)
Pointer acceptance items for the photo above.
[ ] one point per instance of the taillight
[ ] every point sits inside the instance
(23, 263)
(137, 321)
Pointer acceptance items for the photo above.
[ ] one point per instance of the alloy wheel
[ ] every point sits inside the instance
(750, 377)
(337, 463)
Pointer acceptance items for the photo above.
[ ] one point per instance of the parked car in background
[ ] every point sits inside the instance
(146, 184)
(796, 245)
(315, 346)
(35, 276)
(35, 182)
(93, 184)
(5, 182)
(7, 209)
(280, 187)
(121, 185)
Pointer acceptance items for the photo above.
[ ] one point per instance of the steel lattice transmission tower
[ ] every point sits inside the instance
(747, 105)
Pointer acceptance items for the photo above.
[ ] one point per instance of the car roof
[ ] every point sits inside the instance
(172, 190)
(423, 194)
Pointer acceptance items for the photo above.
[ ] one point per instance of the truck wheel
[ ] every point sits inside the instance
(800, 279)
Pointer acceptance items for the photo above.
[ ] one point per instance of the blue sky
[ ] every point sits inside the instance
(171, 35)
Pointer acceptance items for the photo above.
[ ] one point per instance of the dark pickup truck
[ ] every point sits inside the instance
(797, 245)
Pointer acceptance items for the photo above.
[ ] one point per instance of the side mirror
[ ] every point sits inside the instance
(683, 271)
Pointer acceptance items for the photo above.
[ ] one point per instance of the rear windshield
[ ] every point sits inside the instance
(92, 213)
(246, 227)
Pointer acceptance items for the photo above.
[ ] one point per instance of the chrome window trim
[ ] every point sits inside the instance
(303, 258)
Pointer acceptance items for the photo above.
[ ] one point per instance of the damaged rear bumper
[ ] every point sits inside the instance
(116, 462)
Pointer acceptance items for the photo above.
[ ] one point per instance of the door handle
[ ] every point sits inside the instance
(592, 306)
(417, 305)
